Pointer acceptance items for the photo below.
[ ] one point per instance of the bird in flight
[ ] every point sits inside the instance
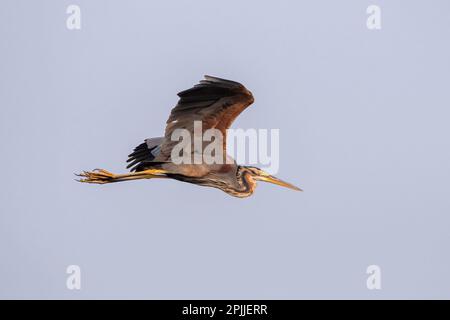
(215, 103)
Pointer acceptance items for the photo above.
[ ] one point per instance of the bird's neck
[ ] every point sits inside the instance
(245, 184)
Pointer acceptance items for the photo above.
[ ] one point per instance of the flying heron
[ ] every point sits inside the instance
(215, 103)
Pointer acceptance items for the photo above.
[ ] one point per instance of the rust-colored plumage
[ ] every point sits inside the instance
(215, 103)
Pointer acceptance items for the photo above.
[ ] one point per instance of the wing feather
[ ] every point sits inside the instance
(214, 101)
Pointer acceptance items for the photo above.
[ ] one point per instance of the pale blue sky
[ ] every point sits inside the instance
(363, 118)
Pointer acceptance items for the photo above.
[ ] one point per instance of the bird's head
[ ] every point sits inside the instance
(256, 174)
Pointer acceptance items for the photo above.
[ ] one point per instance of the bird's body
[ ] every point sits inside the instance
(214, 103)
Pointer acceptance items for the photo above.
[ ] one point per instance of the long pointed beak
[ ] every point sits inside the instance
(274, 180)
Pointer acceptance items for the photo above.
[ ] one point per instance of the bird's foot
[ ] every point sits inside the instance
(98, 176)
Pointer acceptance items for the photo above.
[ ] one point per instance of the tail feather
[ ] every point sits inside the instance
(144, 153)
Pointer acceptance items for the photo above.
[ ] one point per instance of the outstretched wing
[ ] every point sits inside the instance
(215, 102)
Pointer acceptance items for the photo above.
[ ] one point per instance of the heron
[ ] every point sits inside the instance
(216, 103)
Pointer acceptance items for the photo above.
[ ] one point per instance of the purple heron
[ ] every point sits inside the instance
(215, 103)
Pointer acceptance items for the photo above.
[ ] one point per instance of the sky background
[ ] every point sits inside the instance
(364, 130)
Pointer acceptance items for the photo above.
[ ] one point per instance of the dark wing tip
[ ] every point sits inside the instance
(213, 87)
(229, 84)
(217, 84)
(221, 80)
